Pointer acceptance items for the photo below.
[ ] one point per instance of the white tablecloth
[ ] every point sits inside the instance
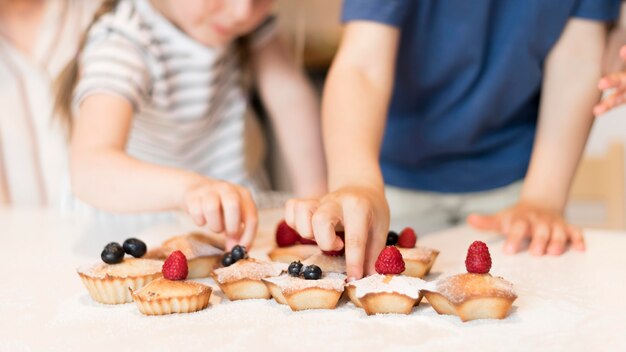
(569, 303)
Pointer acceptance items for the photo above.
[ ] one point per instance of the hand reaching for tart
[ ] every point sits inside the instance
(547, 230)
(364, 215)
(224, 208)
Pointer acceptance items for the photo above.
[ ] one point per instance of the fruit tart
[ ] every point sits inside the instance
(306, 287)
(291, 246)
(418, 260)
(387, 291)
(172, 293)
(475, 294)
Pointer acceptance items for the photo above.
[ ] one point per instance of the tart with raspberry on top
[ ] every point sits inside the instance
(172, 293)
(388, 291)
(475, 294)
(290, 246)
(418, 260)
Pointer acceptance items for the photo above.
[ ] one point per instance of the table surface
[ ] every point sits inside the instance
(573, 302)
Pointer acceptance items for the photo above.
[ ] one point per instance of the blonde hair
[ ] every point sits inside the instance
(66, 82)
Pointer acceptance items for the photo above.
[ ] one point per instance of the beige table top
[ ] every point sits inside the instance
(574, 302)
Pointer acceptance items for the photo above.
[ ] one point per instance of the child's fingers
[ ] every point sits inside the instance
(250, 218)
(195, 210)
(517, 235)
(327, 216)
(539, 241)
(622, 52)
(356, 222)
(558, 240)
(290, 212)
(610, 102)
(484, 222)
(613, 80)
(232, 212)
(212, 211)
(304, 214)
(576, 237)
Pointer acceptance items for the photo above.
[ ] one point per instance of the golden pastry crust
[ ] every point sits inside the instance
(301, 294)
(200, 250)
(110, 283)
(418, 261)
(293, 253)
(472, 296)
(382, 294)
(243, 280)
(387, 303)
(163, 296)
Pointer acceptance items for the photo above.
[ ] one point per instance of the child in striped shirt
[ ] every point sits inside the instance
(162, 117)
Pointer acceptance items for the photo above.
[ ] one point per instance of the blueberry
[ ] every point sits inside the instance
(295, 268)
(112, 253)
(135, 247)
(312, 272)
(238, 252)
(392, 238)
(227, 259)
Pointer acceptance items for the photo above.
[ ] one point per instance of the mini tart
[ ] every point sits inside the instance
(110, 283)
(380, 294)
(162, 296)
(202, 255)
(243, 280)
(301, 294)
(472, 296)
(328, 263)
(293, 253)
(418, 261)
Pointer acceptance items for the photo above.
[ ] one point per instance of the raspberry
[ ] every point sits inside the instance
(175, 266)
(389, 261)
(340, 252)
(286, 236)
(407, 238)
(478, 260)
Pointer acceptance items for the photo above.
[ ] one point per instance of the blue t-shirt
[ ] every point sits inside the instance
(467, 86)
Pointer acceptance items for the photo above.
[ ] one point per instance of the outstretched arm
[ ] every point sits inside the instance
(569, 94)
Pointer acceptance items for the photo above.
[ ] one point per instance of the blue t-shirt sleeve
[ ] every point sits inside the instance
(390, 12)
(600, 10)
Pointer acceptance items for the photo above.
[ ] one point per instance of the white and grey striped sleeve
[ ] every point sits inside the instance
(113, 65)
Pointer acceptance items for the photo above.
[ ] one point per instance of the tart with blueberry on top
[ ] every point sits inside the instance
(307, 287)
(241, 277)
(388, 291)
(475, 294)
(172, 293)
(290, 246)
(109, 282)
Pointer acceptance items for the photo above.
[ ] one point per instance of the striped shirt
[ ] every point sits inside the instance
(191, 108)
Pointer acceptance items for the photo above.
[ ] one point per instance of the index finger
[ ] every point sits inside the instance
(250, 218)
(356, 223)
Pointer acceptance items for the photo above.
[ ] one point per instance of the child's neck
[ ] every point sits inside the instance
(20, 22)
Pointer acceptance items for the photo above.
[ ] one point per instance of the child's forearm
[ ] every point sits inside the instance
(569, 94)
(113, 181)
(294, 110)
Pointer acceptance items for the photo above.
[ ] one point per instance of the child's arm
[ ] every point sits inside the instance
(356, 97)
(106, 177)
(294, 109)
(571, 71)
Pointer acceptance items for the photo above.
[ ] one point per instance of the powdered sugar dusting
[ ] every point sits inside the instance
(249, 269)
(459, 288)
(128, 268)
(289, 284)
(406, 285)
(335, 264)
(421, 254)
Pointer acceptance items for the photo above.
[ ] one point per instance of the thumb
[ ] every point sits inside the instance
(484, 222)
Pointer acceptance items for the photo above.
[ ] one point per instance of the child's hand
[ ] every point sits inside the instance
(224, 208)
(547, 230)
(617, 81)
(362, 211)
